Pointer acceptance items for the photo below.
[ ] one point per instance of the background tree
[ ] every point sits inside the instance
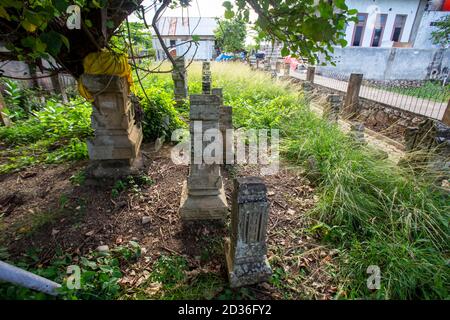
(230, 35)
(442, 35)
(304, 27)
(141, 38)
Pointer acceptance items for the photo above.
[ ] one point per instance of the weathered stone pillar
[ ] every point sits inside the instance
(206, 77)
(287, 67)
(278, 66)
(357, 132)
(203, 195)
(179, 76)
(246, 250)
(226, 126)
(310, 74)
(253, 62)
(308, 90)
(332, 108)
(267, 66)
(225, 123)
(218, 92)
(114, 149)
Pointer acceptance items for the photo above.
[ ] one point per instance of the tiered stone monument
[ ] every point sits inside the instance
(203, 196)
(179, 76)
(218, 92)
(114, 149)
(225, 123)
(206, 77)
(332, 108)
(246, 250)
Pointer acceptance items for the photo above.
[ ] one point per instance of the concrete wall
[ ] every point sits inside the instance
(389, 7)
(205, 49)
(390, 63)
(423, 37)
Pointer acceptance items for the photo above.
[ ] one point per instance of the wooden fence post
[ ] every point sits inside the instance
(310, 72)
(446, 117)
(351, 103)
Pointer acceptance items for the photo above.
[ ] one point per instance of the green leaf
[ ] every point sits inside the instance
(110, 24)
(88, 23)
(4, 14)
(195, 38)
(227, 5)
(28, 42)
(284, 52)
(61, 5)
(53, 42)
(65, 41)
(229, 14)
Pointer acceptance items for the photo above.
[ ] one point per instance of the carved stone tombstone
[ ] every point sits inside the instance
(357, 132)
(114, 149)
(218, 92)
(278, 65)
(206, 77)
(225, 123)
(179, 76)
(246, 250)
(203, 195)
(253, 62)
(286, 67)
(267, 64)
(332, 109)
(308, 90)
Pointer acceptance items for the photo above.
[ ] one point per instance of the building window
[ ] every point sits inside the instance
(173, 43)
(380, 25)
(399, 26)
(358, 33)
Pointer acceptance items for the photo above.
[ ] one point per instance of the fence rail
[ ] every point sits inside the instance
(429, 102)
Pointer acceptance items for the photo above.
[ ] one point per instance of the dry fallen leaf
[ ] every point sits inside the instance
(153, 288)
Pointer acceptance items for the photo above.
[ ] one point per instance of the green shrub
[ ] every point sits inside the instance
(54, 134)
(160, 115)
(100, 274)
(20, 102)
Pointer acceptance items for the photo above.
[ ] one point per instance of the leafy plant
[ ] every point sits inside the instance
(100, 274)
(230, 35)
(441, 35)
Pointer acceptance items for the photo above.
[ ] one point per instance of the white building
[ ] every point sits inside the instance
(394, 23)
(177, 31)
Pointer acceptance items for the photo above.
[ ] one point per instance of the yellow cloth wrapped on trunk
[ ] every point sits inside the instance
(107, 63)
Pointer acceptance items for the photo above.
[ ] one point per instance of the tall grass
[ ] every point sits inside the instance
(376, 212)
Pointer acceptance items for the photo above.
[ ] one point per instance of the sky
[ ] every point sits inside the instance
(202, 8)
(198, 8)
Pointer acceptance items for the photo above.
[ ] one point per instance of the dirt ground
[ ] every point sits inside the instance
(42, 207)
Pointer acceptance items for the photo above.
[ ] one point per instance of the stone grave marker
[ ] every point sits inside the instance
(114, 149)
(179, 76)
(203, 195)
(246, 249)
